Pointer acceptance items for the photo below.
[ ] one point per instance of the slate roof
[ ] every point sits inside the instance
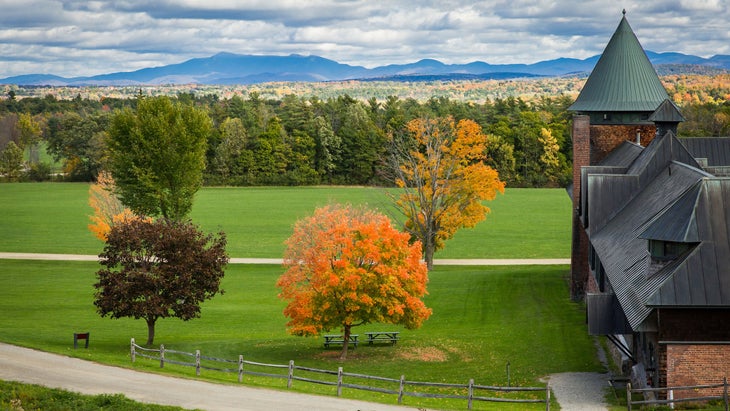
(715, 149)
(701, 278)
(651, 198)
(623, 79)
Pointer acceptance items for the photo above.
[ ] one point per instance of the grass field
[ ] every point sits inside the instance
(484, 317)
(15, 396)
(52, 218)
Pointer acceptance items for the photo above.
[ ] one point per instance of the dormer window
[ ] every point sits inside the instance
(667, 250)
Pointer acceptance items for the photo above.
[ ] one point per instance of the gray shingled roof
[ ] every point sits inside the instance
(715, 149)
(701, 279)
(624, 208)
(625, 256)
(623, 79)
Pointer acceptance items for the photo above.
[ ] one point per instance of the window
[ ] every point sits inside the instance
(667, 250)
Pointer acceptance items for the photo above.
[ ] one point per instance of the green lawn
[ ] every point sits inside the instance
(483, 317)
(52, 218)
(17, 396)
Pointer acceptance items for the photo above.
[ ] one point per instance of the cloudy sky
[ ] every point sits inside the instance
(79, 37)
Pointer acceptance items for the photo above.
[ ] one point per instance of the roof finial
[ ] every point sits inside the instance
(624, 12)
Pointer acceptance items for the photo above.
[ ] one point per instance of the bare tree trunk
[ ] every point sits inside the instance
(346, 335)
(150, 330)
(428, 251)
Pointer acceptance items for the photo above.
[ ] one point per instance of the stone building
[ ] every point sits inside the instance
(651, 224)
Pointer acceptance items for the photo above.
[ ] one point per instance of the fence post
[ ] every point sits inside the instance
(628, 396)
(471, 392)
(400, 389)
(240, 368)
(547, 397)
(671, 399)
(197, 363)
(339, 381)
(291, 373)
(133, 353)
(724, 394)
(162, 356)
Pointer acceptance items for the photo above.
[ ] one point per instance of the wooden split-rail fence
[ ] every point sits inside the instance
(291, 372)
(668, 392)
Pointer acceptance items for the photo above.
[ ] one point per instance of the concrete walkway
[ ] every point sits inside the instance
(79, 257)
(71, 374)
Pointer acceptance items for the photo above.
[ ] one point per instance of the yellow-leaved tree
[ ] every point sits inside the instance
(108, 210)
(440, 168)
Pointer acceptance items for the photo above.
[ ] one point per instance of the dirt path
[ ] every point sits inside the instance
(52, 370)
(476, 261)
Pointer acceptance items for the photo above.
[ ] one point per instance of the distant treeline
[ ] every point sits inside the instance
(306, 141)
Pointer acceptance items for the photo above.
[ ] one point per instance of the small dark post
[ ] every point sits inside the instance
(724, 393)
(81, 336)
(508, 379)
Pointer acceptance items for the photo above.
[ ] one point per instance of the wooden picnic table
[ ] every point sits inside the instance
(388, 336)
(335, 339)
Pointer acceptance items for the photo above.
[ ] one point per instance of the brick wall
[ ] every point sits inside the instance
(685, 361)
(605, 138)
(581, 135)
(696, 364)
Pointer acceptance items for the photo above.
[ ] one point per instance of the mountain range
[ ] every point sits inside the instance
(229, 68)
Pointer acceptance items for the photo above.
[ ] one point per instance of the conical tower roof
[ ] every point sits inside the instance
(623, 79)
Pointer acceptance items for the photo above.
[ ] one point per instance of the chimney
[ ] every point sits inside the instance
(581, 152)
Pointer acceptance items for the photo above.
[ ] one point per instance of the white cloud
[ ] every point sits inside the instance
(76, 37)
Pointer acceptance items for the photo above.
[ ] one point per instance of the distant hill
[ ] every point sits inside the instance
(229, 68)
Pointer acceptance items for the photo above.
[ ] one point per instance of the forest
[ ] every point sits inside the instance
(302, 139)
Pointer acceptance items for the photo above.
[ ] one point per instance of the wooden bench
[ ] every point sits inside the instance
(336, 339)
(387, 336)
(81, 336)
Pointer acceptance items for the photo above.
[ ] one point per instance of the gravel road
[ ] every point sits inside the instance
(580, 391)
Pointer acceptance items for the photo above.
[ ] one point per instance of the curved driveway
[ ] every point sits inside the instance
(57, 371)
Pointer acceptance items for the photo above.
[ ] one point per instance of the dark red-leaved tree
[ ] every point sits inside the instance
(158, 269)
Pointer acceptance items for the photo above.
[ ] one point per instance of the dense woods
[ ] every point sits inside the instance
(301, 139)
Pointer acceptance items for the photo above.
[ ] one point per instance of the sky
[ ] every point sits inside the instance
(81, 38)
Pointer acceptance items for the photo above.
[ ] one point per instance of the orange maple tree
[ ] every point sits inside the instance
(349, 266)
(108, 209)
(440, 168)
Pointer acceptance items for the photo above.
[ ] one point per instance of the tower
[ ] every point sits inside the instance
(622, 100)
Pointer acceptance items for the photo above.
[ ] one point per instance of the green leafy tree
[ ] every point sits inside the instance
(30, 135)
(158, 269)
(228, 153)
(11, 161)
(80, 142)
(157, 156)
